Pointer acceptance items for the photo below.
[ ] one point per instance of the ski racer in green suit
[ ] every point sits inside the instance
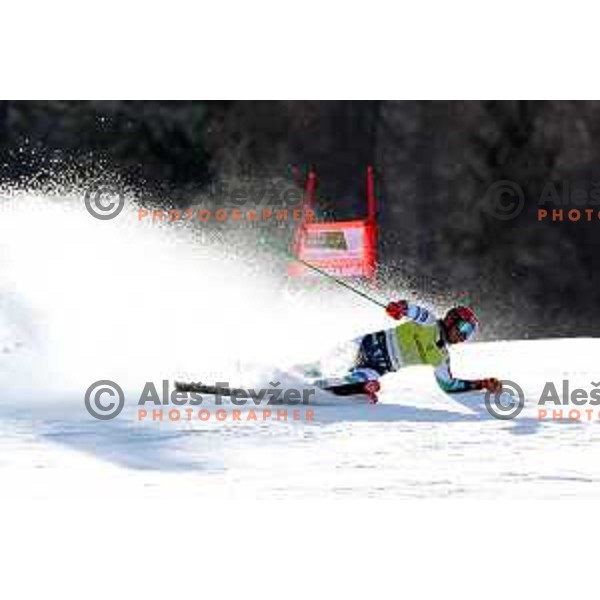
(421, 339)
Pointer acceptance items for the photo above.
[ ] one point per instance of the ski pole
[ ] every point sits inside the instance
(288, 254)
(340, 282)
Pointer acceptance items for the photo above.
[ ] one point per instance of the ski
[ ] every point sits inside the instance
(347, 389)
(202, 388)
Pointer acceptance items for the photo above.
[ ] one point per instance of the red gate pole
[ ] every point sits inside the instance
(370, 194)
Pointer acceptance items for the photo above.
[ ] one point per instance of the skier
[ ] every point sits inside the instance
(420, 339)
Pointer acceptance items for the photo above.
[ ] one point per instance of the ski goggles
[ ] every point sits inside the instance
(465, 329)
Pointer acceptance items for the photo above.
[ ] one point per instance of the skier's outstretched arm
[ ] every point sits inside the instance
(402, 308)
(454, 385)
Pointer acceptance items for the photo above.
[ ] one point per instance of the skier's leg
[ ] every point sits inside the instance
(352, 368)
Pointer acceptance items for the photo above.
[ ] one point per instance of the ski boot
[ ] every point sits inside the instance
(344, 387)
(370, 388)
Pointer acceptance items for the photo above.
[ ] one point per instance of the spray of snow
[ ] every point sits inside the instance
(132, 301)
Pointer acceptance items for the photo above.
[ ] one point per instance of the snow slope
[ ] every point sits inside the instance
(416, 443)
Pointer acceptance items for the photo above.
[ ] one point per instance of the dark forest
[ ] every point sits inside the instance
(435, 163)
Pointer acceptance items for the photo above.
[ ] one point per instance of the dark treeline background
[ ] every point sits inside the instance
(434, 163)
